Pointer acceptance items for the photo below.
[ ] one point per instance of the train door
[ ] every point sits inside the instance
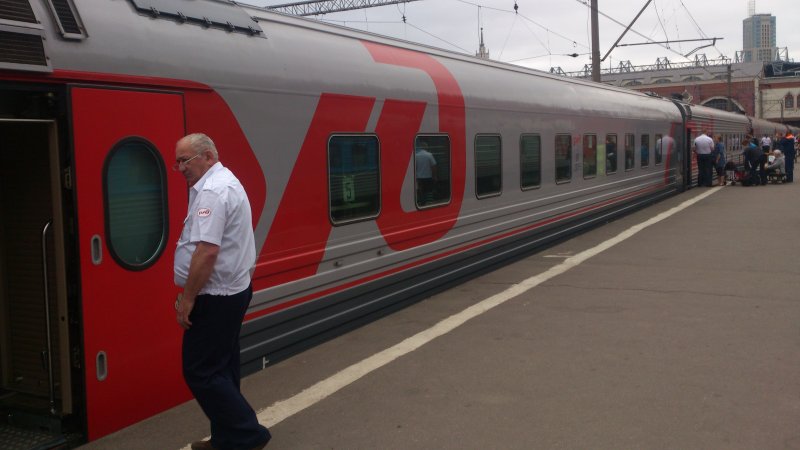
(691, 160)
(36, 389)
(124, 143)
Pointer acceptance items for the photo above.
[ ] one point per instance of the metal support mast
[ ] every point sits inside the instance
(316, 7)
(595, 44)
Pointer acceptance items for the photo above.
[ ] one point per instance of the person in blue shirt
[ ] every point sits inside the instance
(719, 160)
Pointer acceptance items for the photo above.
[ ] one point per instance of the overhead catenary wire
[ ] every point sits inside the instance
(514, 8)
(508, 36)
(649, 40)
(660, 21)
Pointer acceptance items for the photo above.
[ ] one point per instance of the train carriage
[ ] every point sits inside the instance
(734, 128)
(321, 125)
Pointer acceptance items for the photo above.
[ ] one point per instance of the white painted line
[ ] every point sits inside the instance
(560, 255)
(284, 409)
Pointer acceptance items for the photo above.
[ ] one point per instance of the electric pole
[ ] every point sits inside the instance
(595, 44)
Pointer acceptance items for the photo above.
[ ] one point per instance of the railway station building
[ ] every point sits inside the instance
(762, 81)
(768, 90)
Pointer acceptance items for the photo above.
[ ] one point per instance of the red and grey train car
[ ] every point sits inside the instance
(734, 128)
(320, 123)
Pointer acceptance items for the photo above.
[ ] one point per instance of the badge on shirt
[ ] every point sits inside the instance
(203, 212)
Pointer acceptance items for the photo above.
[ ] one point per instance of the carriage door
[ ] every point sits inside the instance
(691, 159)
(34, 338)
(124, 143)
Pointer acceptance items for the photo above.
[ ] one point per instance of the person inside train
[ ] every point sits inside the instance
(787, 146)
(611, 153)
(703, 146)
(645, 153)
(425, 169)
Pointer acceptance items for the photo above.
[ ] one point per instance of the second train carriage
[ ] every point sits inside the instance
(734, 128)
(321, 124)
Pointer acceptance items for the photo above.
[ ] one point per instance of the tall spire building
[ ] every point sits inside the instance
(482, 51)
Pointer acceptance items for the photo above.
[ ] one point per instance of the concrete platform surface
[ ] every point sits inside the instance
(686, 335)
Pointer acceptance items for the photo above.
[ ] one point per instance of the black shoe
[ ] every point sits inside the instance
(202, 445)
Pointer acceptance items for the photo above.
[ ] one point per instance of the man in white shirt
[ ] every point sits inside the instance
(703, 146)
(213, 262)
(766, 144)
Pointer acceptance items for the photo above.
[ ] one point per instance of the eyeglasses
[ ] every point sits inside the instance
(181, 163)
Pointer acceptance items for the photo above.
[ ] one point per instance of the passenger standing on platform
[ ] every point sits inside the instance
(787, 145)
(752, 159)
(766, 144)
(213, 262)
(703, 146)
(719, 160)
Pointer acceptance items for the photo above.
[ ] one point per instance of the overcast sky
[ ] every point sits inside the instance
(543, 32)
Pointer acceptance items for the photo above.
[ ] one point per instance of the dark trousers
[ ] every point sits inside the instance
(425, 188)
(790, 167)
(211, 370)
(705, 168)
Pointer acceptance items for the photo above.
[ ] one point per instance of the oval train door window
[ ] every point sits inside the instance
(135, 194)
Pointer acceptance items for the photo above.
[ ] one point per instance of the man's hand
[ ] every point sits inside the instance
(183, 307)
(203, 260)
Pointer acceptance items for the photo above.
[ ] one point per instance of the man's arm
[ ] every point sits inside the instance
(200, 269)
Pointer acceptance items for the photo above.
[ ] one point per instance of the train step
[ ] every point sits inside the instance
(14, 437)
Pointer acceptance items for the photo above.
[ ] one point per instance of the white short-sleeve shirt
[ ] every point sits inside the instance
(425, 162)
(219, 214)
(703, 145)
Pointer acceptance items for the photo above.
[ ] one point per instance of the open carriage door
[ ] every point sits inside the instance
(124, 144)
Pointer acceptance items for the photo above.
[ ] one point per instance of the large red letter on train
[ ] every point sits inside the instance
(296, 241)
(297, 238)
(398, 124)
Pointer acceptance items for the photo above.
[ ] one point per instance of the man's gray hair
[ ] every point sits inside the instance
(199, 142)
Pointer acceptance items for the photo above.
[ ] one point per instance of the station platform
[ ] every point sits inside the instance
(677, 326)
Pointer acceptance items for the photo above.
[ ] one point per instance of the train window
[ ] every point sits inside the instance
(659, 149)
(432, 170)
(530, 161)
(611, 153)
(488, 162)
(135, 191)
(645, 150)
(589, 156)
(563, 157)
(353, 178)
(629, 151)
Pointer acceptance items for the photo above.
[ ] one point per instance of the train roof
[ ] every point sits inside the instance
(234, 47)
